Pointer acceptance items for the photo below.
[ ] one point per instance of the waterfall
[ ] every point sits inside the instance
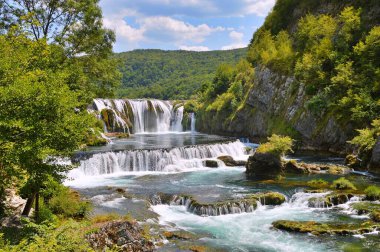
(192, 118)
(176, 121)
(139, 116)
(176, 159)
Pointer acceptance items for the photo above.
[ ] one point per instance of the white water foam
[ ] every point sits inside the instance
(247, 231)
(146, 116)
(161, 160)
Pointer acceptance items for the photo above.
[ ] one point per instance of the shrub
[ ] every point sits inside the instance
(46, 215)
(343, 184)
(277, 145)
(318, 183)
(372, 192)
(68, 236)
(190, 106)
(105, 218)
(69, 204)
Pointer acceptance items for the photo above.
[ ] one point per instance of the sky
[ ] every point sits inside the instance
(196, 25)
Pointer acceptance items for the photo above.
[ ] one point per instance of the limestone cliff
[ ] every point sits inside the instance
(277, 104)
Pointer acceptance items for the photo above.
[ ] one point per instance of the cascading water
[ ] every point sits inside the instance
(139, 116)
(192, 122)
(176, 159)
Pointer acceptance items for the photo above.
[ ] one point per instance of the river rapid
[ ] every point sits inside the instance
(124, 176)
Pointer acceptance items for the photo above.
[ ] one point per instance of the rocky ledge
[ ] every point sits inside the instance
(317, 228)
(243, 205)
(122, 235)
(270, 165)
(331, 199)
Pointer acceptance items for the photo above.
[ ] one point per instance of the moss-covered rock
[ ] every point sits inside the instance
(352, 161)
(94, 138)
(269, 198)
(343, 184)
(317, 228)
(372, 193)
(365, 207)
(118, 135)
(230, 206)
(330, 200)
(180, 234)
(375, 215)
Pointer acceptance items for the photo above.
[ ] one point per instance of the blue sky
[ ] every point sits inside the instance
(197, 25)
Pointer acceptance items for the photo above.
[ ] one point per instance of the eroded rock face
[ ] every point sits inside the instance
(278, 101)
(375, 159)
(13, 203)
(126, 235)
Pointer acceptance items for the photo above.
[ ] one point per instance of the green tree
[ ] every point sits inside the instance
(40, 119)
(75, 26)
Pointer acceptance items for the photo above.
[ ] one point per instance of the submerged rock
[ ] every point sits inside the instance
(317, 228)
(123, 235)
(229, 161)
(211, 163)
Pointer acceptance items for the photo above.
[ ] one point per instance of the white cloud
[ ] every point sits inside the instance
(123, 30)
(194, 48)
(258, 7)
(236, 36)
(237, 41)
(164, 28)
(155, 29)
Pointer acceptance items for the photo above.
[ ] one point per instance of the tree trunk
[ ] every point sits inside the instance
(28, 205)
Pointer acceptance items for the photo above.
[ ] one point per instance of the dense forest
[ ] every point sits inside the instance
(170, 74)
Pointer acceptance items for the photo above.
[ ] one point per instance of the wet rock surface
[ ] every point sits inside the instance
(211, 163)
(243, 205)
(229, 161)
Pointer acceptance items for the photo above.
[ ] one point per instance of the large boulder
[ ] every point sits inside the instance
(374, 164)
(264, 165)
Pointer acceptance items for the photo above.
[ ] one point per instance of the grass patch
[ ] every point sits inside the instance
(372, 192)
(343, 184)
(318, 183)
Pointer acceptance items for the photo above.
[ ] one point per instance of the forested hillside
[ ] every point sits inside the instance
(312, 72)
(170, 74)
